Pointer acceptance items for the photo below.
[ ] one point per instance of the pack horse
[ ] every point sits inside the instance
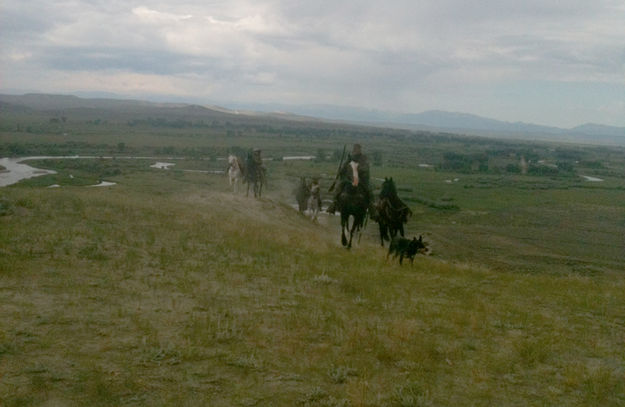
(392, 212)
(308, 197)
(314, 200)
(255, 173)
(236, 173)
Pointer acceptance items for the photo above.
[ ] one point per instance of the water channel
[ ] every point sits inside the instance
(15, 170)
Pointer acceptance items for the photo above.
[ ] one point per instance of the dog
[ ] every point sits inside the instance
(403, 247)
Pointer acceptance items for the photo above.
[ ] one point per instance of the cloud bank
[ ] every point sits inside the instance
(543, 61)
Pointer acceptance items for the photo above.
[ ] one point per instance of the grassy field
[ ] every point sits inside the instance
(168, 289)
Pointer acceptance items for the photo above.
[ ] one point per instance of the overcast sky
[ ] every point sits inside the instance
(553, 62)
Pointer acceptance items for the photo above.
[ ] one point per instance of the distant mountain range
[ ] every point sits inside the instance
(434, 120)
(437, 120)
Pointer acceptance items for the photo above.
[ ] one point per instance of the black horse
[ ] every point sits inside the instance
(302, 193)
(392, 212)
(254, 176)
(352, 202)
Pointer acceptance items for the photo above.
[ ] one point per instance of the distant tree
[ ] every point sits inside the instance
(565, 166)
(456, 162)
(321, 155)
(336, 155)
(591, 164)
(568, 154)
(17, 149)
(513, 168)
(238, 151)
(376, 157)
(121, 147)
(169, 150)
(542, 170)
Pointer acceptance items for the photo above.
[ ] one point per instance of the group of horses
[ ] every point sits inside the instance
(245, 172)
(389, 211)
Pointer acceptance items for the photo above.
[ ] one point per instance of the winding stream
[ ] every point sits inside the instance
(15, 169)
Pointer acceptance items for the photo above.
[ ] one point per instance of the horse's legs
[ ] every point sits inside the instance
(382, 233)
(351, 236)
(392, 229)
(312, 207)
(344, 225)
(355, 227)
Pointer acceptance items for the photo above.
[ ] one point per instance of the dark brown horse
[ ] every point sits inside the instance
(302, 193)
(392, 212)
(352, 202)
(254, 175)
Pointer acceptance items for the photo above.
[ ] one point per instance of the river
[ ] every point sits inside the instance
(15, 169)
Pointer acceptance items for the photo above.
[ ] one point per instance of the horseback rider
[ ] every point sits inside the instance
(345, 174)
(255, 163)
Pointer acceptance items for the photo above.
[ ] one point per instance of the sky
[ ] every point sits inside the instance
(552, 62)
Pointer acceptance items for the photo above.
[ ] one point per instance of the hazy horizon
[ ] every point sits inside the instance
(543, 62)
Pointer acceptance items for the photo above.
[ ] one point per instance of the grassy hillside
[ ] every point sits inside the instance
(168, 290)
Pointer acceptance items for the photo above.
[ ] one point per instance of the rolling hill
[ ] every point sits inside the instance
(435, 120)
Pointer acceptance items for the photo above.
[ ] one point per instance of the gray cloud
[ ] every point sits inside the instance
(397, 55)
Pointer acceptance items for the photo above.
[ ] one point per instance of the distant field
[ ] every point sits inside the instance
(167, 289)
(506, 222)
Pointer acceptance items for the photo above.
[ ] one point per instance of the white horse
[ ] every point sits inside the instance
(235, 172)
(313, 201)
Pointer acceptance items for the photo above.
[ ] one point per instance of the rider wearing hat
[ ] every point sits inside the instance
(345, 173)
(255, 162)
